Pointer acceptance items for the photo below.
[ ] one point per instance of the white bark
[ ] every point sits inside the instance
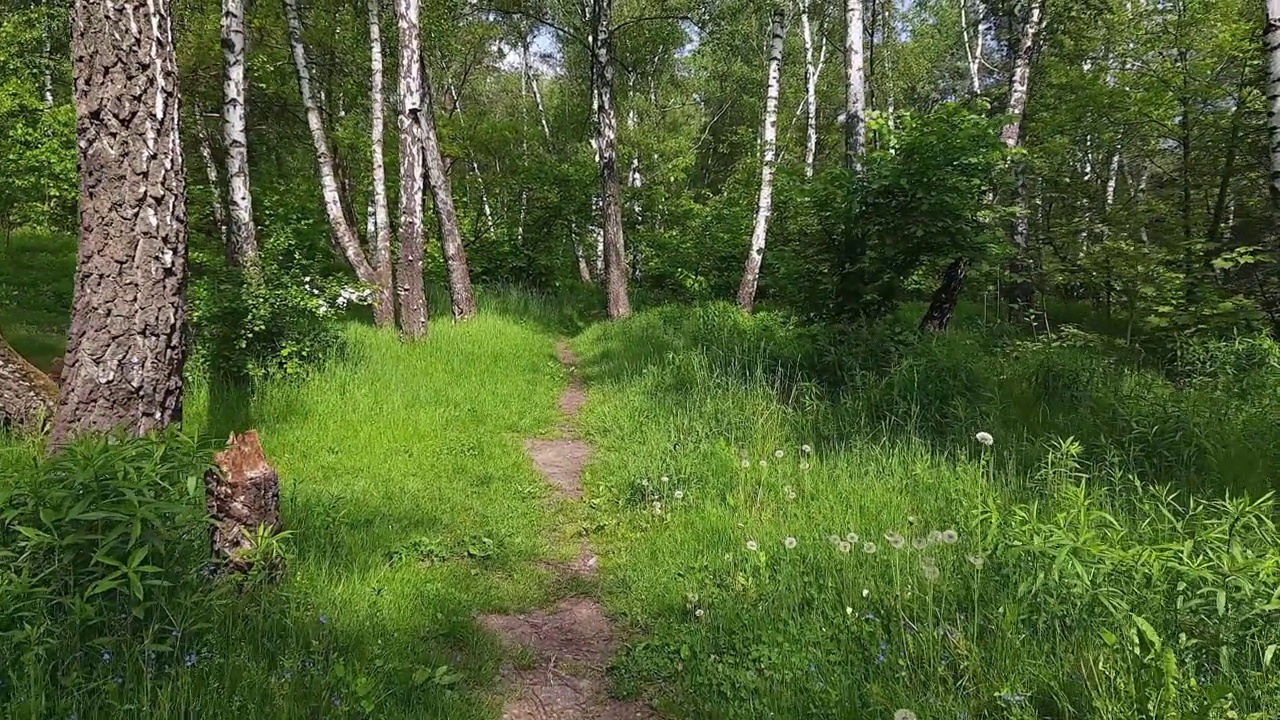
(973, 45)
(1011, 134)
(242, 241)
(47, 85)
(615, 258)
(343, 235)
(379, 221)
(532, 80)
(1271, 39)
(215, 183)
(855, 88)
(810, 93)
(769, 151)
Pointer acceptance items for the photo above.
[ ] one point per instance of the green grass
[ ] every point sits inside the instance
(37, 271)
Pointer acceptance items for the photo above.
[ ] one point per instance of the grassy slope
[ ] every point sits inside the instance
(36, 276)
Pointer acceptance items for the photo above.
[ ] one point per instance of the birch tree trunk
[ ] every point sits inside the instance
(855, 86)
(810, 93)
(455, 256)
(409, 282)
(46, 86)
(943, 305)
(344, 235)
(384, 304)
(125, 348)
(973, 46)
(769, 152)
(615, 257)
(1271, 40)
(241, 238)
(205, 147)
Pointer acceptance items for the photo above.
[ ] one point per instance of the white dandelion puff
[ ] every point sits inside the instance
(746, 463)
(657, 508)
(679, 494)
(806, 449)
(950, 536)
(790, 543)
(834, 539)
(665, 479)
(869, 547)
(866, 593)
(935, 536)
(804, 464)
(920, 543)
(764, 463)
(985, 438)
(752, 545)
(699, 612)
(844, 547)
(904, 714)
(852, 538)
(976, 560)
(779, 453)
(895, 540)
(848, 610)
(931, 572)
(791, 494)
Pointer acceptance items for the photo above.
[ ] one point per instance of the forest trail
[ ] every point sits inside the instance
(569, 644)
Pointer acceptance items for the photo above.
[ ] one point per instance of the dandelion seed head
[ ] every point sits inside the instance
(834, 539)
(852, 538)
(806, 449)
(848, 610)
(869, 547)
(976, 560)
(844, 547)
(746, 463)
(904, 714)
(950, 536)
(779, 453)
(657, 508)
(764, 463)
(931, 572)
(665, 479)
(895, 540)
(789, 542)
(699, 612)
(866, 593)
(985, 438)
(920, 543)
(804, 464)
(752, 545)
(935, 536)
(679, 494)
(791, 494)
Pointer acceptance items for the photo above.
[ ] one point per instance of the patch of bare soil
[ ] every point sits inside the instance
(568, 646)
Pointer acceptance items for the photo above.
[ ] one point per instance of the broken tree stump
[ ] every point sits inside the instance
(242, 494)
(27, 396)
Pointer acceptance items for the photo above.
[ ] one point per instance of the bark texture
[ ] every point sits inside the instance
(769, 155)
(27, 396)
(455, 255)
(241, 238)
(344, 235)
(409, 282)
(855, 131)
(125, 349)
(810, 94)
(615, 253)
(205, 147)
(384, 307)
(242, 494)
(1271, 40)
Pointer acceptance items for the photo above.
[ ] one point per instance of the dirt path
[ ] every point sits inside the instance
(567, 646)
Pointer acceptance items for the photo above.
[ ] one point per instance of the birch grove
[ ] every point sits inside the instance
(614, 251)
(241, 237)
(379, 216)
(410, 294)
(768, 153)
(855, 87)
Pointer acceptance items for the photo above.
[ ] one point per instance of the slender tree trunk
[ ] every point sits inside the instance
(855, 131)
(615, 254)
(125, 349)
(973, 46)
(769, 152)
(343, 234)
(205, 146)
(537, 100)
(384, 304)
(409, 282)
(810, 94)
(455, 256)
(242, 242)
(1271, 40)
(46, 86)
(943, 305)
(27, 395)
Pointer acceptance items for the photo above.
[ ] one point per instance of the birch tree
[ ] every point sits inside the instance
(1271, 41)
(241, 238)
(344, 235)
(126, 346)
(615, 258)
(811, 71)
(769, 152)
(379, 220)
(409, 281)
(855, 86)
(455, 256)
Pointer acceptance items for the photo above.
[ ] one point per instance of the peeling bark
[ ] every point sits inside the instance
(344, 235)
(1271, 42)
(241, 237)
(125, 348)
(409, 281)
(379, 236)
(855, 130)
(769, 153)
(615, 256)
(810, 94)
(455, 255)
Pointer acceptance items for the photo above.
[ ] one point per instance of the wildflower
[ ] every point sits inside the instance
(985, 438)
(189, 660)
(106, 657)
(806, 449)
(1013, 698)
(976, 560)
(324, 619)
(679, 494)
(950, 536)
(657, 508)
(935, 536)
(869, 547)
(852, 538)
(752, 546)
(645, 482)
(337, 701)
(779, 453)
(804, 464)
(833, 539)
(870, 617)
(746, 463)
(117, 680)
(790, 543)
(920, 543)
(931, 572)
(665, 479)
(848, 610)
(904, 714)
(844, 547)
(699, 612)
(896, 540)
(866, 593)
(764, 463)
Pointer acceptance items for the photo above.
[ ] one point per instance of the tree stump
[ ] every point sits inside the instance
(27, 395)
(242, 494)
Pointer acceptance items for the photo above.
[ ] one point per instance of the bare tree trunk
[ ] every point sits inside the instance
(810, 94)
(455, 256)
(973, 46)
(1271, 40)
(125, 349)
(855, 87)
(343, 234)
(769, 152)
(409, 281)
(215, 182)
(384, 304)
(46, 86)
(537, 96)
(615, 256)
(27, 396)
(241, 238)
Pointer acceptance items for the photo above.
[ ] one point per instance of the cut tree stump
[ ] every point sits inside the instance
(242, 493)
(27, 396)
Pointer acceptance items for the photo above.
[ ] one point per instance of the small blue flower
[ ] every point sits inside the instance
(106, 657)
(337, 701)
(324, 619)
(118, 680)
(190, 659)
(869, 616)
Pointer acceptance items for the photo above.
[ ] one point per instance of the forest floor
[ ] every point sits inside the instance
(671, 516)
